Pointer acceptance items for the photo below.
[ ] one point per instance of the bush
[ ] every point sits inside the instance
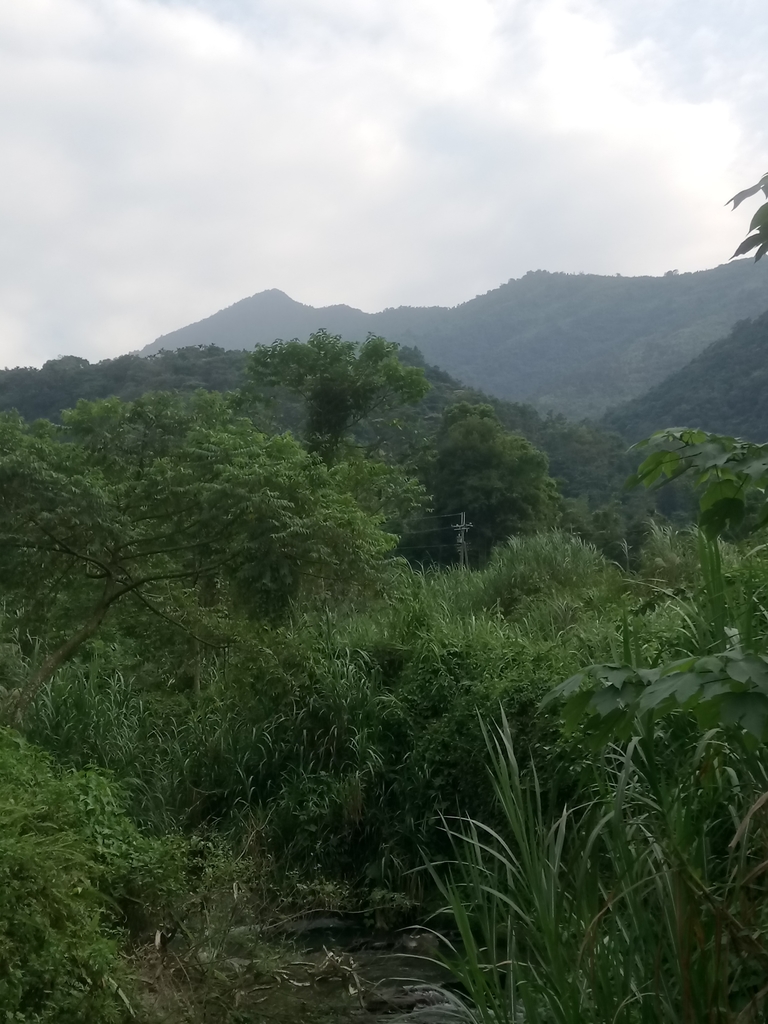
(347, 733)
(55, 962)
(546, 564)
(72, 868)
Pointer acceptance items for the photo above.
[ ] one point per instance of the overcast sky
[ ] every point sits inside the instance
(160, 159)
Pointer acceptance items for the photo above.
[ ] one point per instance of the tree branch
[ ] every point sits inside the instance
(175, 622)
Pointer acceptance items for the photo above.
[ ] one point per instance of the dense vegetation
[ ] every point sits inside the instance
(573, 343)
(229, 698)
(590, 464)
(644, 898)
(60, 383)
(722, 390)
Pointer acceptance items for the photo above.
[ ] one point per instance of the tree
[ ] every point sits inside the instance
(340, 382)
(162, 501)
(498, 478)
(757, 236)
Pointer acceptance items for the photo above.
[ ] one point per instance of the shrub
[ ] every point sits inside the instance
(55, 962)
(72, 868)
(543, 565)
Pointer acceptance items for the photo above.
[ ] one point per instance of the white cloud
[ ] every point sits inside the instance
(164, 159)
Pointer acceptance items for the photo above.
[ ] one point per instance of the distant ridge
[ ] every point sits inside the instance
(572, 343)
(723, 390)
(260, 319)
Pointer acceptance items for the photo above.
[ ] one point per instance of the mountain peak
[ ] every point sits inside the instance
(573, 343)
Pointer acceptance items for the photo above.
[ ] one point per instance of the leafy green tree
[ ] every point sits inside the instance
(757, 236)
(341, 383)
(180, 506)
(498, 478)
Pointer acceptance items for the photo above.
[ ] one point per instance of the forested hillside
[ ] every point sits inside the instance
(573, 343)
(722, 390)
(59, 384)
(590, 463)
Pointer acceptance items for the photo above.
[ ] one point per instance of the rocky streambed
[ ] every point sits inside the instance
(318, 969)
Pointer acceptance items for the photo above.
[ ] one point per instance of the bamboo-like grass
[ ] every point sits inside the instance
(642, 902)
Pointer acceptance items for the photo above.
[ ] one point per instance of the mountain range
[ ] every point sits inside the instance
(578, 344)
(585, 349)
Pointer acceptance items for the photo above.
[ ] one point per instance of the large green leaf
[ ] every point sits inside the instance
(728, 471)
(730, 689)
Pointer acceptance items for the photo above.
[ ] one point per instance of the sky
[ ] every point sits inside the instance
(162, 159)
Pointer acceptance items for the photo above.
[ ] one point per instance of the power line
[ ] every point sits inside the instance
(429, 529)
(446, 515)
(423, 547)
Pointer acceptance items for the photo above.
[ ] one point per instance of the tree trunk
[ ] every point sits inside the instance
(19, 702)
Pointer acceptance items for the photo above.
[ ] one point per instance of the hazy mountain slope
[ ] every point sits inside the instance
(272, 314)
(260, 319)
(724, 390)
(576, 343)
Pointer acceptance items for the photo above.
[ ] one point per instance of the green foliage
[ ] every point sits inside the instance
(579, 343)
(589, 463)
(340, 737)
(757, 236)
(728, 472)
(730, 689)
(721, 389)
(644, 901)
(340, 720)
(552, 564)
(499, 479)
(722, 676)
(574, 343)
(60, 383)
(669, 558)
(70, 863)
(341, 383)
(180, 506)
(311, 714)
(381, 489)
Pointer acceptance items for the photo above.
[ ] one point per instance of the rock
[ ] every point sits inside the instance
(419, 942)
(404, 998)
(305, 925)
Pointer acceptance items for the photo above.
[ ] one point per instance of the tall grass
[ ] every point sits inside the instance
(645, 901)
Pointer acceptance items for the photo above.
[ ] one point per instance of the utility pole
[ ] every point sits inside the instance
(461, 539)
